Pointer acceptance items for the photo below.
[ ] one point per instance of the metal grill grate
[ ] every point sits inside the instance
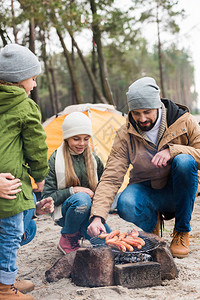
(150, 244)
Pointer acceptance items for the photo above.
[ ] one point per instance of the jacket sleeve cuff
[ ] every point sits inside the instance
(93, 217)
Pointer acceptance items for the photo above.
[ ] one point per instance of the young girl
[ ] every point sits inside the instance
(72, 180)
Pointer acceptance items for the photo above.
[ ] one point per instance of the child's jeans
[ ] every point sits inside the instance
(76, 212)
(15, 231)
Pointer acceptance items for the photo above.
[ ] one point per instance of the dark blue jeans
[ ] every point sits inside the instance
(76, 212)
(139, 203)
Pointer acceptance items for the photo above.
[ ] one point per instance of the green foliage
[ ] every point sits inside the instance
(165, 12)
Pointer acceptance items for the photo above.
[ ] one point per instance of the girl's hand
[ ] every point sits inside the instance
(80, 189)
(40, 186)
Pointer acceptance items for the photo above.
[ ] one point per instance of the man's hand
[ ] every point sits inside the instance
(9, 186)
(80, 189)
(45, 206)
(96, 227)
(161, 158)
(40, 186)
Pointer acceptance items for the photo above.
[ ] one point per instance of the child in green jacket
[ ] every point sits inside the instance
(23, 152)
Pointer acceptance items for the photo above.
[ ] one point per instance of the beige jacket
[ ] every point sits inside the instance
(130, 148)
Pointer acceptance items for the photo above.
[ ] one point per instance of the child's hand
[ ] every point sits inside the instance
(40, 186)
(45, 206)
(9, 186)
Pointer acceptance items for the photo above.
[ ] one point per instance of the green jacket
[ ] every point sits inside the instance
(23, 149)
(51, 189)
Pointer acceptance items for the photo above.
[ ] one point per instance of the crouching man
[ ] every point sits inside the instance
(161, 140)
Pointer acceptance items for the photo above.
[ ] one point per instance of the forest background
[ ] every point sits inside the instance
(91, 51)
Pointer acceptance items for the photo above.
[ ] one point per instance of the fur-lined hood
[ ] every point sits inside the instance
(2, 82)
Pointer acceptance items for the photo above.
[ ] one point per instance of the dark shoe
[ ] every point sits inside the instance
(69, 242)
(9, 292)
(24, 286)
(180, 244)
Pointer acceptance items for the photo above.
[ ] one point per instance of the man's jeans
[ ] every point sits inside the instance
(76, 212)
(15, 231)
(139, 203)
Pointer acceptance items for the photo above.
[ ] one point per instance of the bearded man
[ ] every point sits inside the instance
(161, 140)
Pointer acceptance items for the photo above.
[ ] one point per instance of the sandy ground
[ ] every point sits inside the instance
(38, 256)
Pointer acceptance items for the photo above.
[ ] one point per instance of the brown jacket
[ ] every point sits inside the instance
(182, 135)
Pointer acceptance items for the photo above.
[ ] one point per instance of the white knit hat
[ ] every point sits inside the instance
(76, 123)
(18, 63)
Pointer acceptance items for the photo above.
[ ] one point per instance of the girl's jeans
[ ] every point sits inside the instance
(76, 212)
(139, 203)
(15, 231)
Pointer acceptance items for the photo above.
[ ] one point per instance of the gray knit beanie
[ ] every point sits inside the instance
(18, 63)
(76, 123)
(144, 94)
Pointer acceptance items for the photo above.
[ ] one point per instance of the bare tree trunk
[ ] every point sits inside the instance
(2, 35)
(72, 87)
(68, 58)
(70, 66)
(94, 69)
(101, 59)
(51, 69)
(160, 55)
(89, 72)
(13, 23)
(34, 92)
(44, 56)
(70, 8)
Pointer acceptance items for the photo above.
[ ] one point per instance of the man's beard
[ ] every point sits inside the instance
(150, 124)
(148, 127)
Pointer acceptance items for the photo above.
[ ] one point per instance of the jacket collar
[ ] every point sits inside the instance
(173, 112)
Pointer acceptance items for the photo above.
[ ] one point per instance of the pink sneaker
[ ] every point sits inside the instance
(69, 242)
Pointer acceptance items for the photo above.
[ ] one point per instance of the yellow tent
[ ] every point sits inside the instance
(105, 121)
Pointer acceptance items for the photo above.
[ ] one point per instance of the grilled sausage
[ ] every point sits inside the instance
(138, 239)
(133, 233)
(114, 239)
(112, 234)
(103, 235)
(133, 243)
(128, 246)
(117, 245)
(122, 235)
